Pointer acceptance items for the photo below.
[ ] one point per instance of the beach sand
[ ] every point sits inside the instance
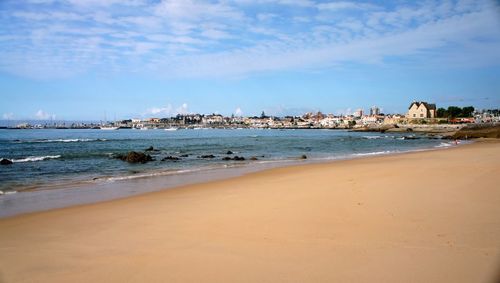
(429, 216)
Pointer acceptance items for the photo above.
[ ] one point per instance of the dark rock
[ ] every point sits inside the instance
(229, 152)
(478, 131)
(150, 148)
(135, 157)
(253, 158)
(184, 155)
(207, 156)
(173, 158)
(409, 130)
(5, 162)
(303, 156)
(236, 158)
(410, 138)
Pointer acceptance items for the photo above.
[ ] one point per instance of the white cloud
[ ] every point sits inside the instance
(42, 115)
(238, 112)
(187, 38)
(183, 109)
(8, 116)
(167, 111)
(160, 110)
(344, 5)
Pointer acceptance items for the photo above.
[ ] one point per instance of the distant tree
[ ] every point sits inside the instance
(441, 113)
(467, 111)
(454, 111)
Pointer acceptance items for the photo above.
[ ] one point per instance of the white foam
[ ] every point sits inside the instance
(67, 140)
(444, 144)
(372, 137)
(374, 153)
(145, 175)
(35, 158)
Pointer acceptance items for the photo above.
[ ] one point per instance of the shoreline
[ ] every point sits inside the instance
(82, 192)
(364, 220)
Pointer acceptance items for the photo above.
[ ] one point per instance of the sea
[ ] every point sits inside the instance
(61, 167)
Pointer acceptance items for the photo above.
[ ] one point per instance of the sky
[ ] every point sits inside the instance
(106, 59)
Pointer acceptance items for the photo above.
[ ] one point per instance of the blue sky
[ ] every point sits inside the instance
(80, 59)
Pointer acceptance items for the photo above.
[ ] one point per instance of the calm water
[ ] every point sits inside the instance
(58, 158)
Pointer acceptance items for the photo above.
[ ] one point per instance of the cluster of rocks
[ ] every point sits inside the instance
(135, 157)
(139, 157)
(236, 158)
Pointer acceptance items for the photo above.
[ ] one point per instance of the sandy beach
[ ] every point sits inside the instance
(429, 216)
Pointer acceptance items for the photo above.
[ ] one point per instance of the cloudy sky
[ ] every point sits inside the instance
(79, 59)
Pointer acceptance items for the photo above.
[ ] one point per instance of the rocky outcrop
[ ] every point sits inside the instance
(5, 162)
(478, 131)
(135, 157)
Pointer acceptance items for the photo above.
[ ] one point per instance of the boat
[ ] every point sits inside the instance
(171, 129)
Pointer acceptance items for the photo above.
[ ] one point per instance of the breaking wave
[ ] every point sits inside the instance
(35, 158)
(61, 140)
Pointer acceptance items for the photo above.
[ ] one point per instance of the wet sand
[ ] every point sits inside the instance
(429, 216)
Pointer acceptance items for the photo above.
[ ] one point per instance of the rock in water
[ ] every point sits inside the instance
(5, 162)
(173, 158)
(135, 157)
(150, 148)
(303, 156)
(229, 152)
(207, 156)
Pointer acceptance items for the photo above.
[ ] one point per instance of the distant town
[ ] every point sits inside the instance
(418, 114)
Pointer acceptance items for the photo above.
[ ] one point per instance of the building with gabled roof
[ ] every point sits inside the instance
(421, 110)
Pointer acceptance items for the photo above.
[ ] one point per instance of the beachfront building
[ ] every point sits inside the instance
(214, 119)
(369, 120)
(421, 110)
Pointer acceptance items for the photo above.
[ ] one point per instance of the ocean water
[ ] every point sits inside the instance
(45, 159)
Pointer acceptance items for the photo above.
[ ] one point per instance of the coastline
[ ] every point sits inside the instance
(429, 216)
(81, 192)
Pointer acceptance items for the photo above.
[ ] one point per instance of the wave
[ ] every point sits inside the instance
(35, 158)
(61, 140)
(444, 144)
(375, 153)
(149, 174)
(373, 137)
